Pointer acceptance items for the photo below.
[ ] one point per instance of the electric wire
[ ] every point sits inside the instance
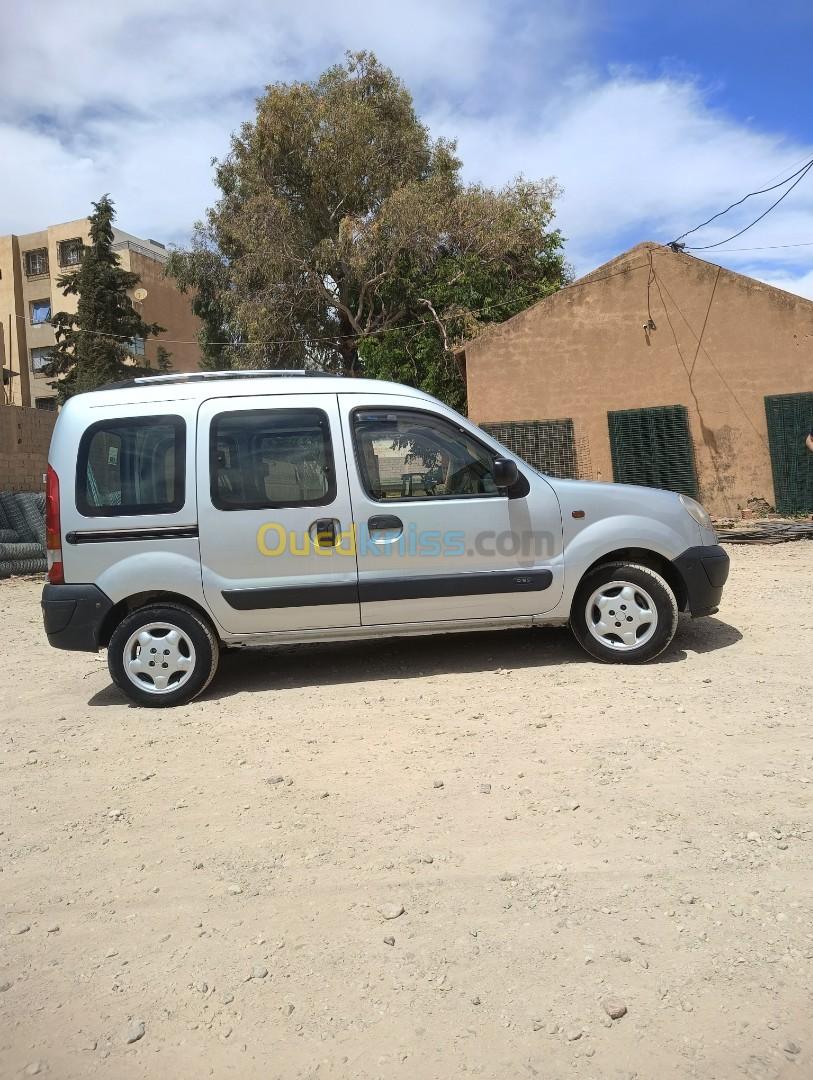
(763, 191)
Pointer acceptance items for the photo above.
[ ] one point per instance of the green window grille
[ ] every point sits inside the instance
(653, 447)
(548, 445)
(790, 419)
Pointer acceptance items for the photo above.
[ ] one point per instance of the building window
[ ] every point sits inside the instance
(40, 359)
(137, 346)
(36, 262)
(70, 251)
(46, 403)
(40, 312)
(132, 466)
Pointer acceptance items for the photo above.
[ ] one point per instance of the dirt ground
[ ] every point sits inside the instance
(562, 836)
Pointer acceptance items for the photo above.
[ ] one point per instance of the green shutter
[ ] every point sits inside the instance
(548, 445)
(653, 447)
(790, 418)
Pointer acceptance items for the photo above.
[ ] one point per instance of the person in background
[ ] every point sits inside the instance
(809, 440)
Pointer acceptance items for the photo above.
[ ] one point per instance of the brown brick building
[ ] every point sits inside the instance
(662, 369)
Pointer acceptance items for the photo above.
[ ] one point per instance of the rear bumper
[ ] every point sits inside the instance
(73, 616)
(704, 571)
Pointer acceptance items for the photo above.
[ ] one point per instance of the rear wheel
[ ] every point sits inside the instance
(163, 654)
(624, 613)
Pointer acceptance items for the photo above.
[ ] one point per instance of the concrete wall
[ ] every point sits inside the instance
(722, 343)
(25, 435)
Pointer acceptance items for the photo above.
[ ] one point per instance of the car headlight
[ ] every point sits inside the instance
(698, 512)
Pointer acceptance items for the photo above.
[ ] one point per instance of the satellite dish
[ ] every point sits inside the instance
(140, 294)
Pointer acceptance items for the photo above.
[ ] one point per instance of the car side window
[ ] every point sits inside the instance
(266, 458)
(132, 466)
(405, 454)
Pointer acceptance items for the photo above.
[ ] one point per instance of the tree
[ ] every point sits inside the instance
(343, 227)
(94, 346)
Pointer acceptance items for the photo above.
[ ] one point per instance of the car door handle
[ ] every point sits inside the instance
(324, 532)
(385, 523)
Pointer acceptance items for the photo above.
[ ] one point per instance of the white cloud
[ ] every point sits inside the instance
(143, 96)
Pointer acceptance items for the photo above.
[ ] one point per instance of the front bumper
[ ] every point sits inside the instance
(704, 571)
(73, 616)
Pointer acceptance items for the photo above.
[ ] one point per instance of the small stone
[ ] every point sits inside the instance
(275, 780)
(391, 911)
(753, 837)
(53, 928)
(475, 1000)
(573, 1035)
(235, 890)
(226, 999)
(572, 805)
(428, 859)
(485, 789)
(135, 1031)
(197, 865)
(437, 783)
(389, 940)
(33, 1069)
(791, 1047)
(782, 845)
(289, 1009)
(258, 972)
(614, 1008)
(511, 817)
(5, 986)
(553, 1029)
(20, 928)
(202, 988)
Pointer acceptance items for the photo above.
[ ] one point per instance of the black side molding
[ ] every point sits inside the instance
(439, 585)
(290, 596)
(110, 536)
(396, 588)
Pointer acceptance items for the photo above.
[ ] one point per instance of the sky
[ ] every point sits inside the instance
(651, 116)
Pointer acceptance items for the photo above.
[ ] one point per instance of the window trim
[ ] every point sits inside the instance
(36, 251)
(40, 349)
(86, 509)
(41, 300)
(62, 247)
(330, 462)
(520, 489)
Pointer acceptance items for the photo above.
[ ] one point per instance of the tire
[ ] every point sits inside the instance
(624, 613)
(171, 631)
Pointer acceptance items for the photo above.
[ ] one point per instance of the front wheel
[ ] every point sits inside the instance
(624, 613)
(162, 655)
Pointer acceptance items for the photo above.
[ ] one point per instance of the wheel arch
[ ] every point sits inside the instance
(132, 603)
(653, 561)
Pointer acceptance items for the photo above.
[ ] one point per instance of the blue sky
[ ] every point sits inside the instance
(651, 115)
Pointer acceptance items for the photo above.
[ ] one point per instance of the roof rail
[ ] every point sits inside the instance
(209, 376)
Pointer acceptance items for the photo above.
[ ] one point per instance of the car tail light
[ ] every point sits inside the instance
(53, 530)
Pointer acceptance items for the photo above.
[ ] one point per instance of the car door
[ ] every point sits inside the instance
(274, 506)
(437, 540)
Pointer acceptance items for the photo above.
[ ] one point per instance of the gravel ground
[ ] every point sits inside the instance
(419, 858)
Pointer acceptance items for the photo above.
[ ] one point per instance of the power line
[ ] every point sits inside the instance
(767, 247)
(784, 195)
(763, 191)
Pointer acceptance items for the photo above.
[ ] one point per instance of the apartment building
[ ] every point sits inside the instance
(30, 265)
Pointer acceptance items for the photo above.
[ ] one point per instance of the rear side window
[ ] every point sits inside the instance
(132, 466)
(265, 458)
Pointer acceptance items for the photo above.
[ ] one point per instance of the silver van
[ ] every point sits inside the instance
(186, 513)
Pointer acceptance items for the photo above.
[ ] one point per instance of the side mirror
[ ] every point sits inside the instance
(504, 472)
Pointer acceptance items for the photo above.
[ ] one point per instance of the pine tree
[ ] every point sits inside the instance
(94, 346)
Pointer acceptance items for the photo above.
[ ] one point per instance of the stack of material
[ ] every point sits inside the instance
(22, 533)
